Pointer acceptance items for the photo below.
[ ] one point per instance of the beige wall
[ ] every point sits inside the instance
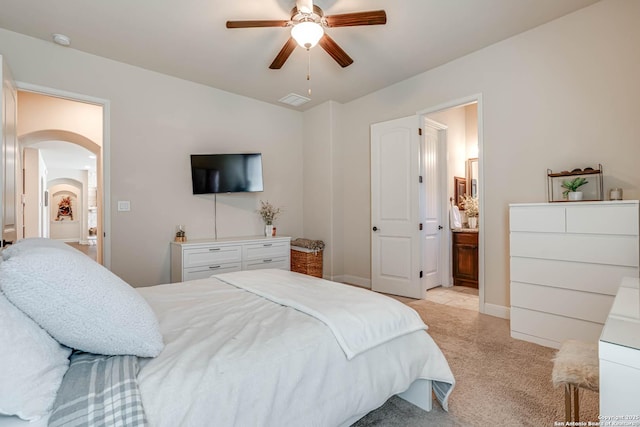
(560, 96)
(455, 120)
(471, 130)
(31, 161)
(38, 112)
(318, 179)
(156, 121)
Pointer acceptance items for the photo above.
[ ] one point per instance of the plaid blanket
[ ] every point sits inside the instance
(99, 390)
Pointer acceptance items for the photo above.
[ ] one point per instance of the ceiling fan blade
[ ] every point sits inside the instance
(283, 55)
(256, 24)
(373, 17)
(335, 51)
(304, 6)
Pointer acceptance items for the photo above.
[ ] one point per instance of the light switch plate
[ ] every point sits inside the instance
(124, 206)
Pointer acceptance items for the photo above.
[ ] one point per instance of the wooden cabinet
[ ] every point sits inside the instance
(567, 261)
(465, 258)
(198, 259)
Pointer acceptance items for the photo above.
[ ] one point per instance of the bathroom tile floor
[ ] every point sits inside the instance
(454, 296)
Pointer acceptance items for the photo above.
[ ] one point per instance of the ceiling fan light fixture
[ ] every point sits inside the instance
(307, 34)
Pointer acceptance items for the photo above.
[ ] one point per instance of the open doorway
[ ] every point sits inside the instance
(461, 202)
(61, 141)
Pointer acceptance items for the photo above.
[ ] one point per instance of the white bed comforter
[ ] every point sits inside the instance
(344, 309)
(233, 358)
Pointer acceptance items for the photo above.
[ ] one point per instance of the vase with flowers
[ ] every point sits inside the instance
(471, 209)
(269, 213)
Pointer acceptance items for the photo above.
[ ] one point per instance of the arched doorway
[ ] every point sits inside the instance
(41, 202)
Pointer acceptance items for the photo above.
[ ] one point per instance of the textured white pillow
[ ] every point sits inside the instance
(32, 365)
(30, 243)
(80, 303)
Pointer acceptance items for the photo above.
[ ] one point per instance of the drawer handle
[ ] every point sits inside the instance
(267, 260)
(268, 244)
(213, 267)
(213, 249)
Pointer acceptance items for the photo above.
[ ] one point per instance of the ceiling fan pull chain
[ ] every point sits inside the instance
(309, 69)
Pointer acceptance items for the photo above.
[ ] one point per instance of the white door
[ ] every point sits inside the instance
(431, 208)
(9, 159)
(395, 234)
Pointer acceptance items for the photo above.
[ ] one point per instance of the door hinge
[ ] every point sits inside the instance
(420, 226)
(420, 179)
(421, 274)
(419, 131)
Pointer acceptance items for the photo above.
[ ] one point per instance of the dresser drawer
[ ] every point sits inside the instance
(260, 251)
(205, 256)
(463, 238)
(563, 302)
(282, 263)
(597, 278)
(550, 329)
(208, 271)
(611, 219)
(548, 219)
(595, 248)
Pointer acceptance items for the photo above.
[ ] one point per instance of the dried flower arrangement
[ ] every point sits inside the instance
(471, 208)
(268, 212)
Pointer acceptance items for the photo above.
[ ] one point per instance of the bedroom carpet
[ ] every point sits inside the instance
(499, 380)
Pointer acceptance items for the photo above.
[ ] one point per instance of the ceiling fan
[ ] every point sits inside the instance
(307, 25)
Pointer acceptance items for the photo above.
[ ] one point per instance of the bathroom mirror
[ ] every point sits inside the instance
(472, 177)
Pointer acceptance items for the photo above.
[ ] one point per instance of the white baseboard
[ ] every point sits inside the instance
(536, 340)
(353, 280)
(496, 311)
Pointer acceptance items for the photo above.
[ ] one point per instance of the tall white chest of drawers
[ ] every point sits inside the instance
(198, 259)
(567, 261)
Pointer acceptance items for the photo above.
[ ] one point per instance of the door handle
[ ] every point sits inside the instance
(375, 228)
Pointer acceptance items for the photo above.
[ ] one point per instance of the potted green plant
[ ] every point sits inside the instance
(571, 188)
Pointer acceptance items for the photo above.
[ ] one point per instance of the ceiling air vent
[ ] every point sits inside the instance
(294, 99)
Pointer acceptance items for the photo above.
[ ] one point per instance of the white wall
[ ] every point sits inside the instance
(156, 121)
(455, 120)
(560, 96)
(32, 215)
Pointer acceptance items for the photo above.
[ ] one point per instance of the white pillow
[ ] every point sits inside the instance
(32, 365)
(80, 303)
(30, 243)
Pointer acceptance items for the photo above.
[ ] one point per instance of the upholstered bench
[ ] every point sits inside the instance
(575, 366)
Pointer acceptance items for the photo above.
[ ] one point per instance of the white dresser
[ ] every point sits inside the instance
(198, 259)
(567, 261)
(619, 352)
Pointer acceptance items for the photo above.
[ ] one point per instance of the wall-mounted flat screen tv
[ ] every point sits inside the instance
(226, 173)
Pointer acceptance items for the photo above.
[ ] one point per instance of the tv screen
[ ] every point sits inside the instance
(226, 173)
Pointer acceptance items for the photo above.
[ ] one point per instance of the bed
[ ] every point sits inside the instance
(266, 347)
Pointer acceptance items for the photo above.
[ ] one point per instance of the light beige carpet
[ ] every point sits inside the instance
(499, 380)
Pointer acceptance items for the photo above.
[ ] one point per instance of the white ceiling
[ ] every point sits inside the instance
(188, 39)
(65, 156)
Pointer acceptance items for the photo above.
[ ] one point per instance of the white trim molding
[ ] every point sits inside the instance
(496, 311)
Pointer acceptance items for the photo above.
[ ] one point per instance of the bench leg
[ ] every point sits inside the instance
(576, 403)
(571, 392)
(567, 402)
